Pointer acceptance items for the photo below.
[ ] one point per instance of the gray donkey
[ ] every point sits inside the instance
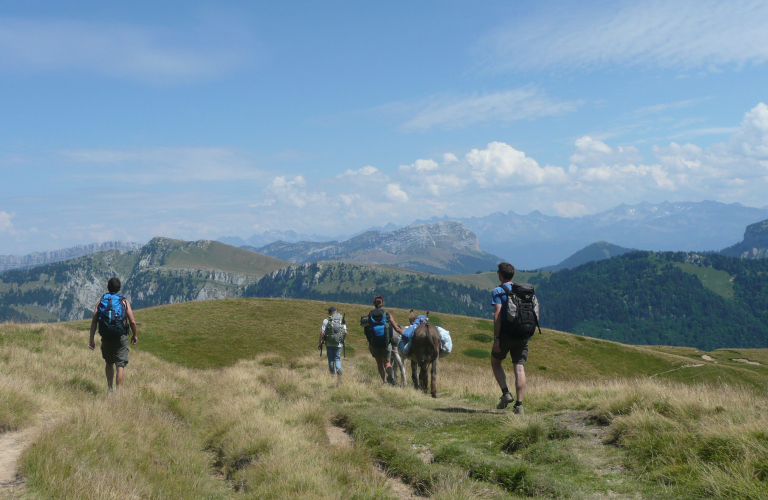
(425, 349)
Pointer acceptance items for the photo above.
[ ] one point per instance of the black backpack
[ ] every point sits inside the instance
(520, 312)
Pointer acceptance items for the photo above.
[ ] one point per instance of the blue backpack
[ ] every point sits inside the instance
(112, 317)
(380, 329)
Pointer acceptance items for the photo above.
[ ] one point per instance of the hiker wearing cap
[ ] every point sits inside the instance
(379, 333)
(332, 333)
(113, 315)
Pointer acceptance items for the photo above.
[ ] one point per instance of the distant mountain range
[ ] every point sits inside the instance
(536, 240)
(754, 245)
(440, 248)
(41, 258)
(290, 236)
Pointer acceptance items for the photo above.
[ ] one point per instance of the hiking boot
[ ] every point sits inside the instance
(504, 400)
(390, 380)
(518, 410)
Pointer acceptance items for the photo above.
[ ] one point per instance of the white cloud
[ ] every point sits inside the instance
(452, 112)
(752, 139)
(680, 34)
(394, 193)
(500, 163)
(666, 106)
(591, 152)
(290, 191)
(570, 208)
(161, 165)
(119, 50)
(367, 170)
(420, 165)
(449, 158)
(6, 226)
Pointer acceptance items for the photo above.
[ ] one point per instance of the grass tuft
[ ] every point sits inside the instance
(477, 353)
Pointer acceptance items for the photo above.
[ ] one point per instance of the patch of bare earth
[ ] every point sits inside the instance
(340, 439)
(707, 358)
(11, 446)
(747, 361)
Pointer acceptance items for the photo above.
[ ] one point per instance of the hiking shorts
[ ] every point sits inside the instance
(115, 350)
(516, 348)
(381, 352)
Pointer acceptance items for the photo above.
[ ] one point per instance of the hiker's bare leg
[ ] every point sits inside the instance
(388, 368)
(498, 372)
(109, 370)
(520, 382)
(120, 376)
(382, 371)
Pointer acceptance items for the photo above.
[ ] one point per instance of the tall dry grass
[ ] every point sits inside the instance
(257, 429)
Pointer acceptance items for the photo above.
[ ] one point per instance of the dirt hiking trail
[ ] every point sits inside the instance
(340, 439)
(11, 446)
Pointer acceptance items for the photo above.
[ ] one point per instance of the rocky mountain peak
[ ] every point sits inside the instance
(448, 234)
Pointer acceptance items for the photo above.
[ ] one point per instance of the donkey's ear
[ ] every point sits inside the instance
(427, 315)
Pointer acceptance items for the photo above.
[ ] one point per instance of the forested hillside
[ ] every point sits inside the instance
(704, 301)
(359, 283)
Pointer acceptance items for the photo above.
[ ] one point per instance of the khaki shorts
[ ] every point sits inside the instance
(517, 349)
(381, 352)
(115, 350)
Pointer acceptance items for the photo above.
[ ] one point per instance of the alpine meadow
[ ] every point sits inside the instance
(224, 399)
(440, 250)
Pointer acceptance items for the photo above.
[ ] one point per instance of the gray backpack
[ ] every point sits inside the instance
(334, 330)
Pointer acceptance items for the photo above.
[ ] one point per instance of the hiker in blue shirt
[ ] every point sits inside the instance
(503, 345)
(111, 314)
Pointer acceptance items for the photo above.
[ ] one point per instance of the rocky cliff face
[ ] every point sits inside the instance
(444, 248)
(755, 244)
(41, 258)
(69, 290)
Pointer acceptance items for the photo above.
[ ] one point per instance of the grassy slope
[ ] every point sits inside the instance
(225, 258)
(213, 334)
(719, 282)
(263, 419)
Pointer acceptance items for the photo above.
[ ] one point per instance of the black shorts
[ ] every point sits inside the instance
(517, 349)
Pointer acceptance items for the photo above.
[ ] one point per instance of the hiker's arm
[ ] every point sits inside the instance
(132, 322)
(94, 322)
(395, 326)
(496, 327)
(322, 333)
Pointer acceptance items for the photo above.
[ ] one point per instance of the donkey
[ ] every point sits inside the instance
(425, 349)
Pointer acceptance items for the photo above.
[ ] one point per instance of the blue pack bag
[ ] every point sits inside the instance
(380, 329)
(112, 317)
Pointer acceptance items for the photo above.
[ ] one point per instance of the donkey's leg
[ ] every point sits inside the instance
(414, 376)
(423, 376)
(433, 379)
(399, 366)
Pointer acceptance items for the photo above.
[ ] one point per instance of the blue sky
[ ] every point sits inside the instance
(124, 122)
